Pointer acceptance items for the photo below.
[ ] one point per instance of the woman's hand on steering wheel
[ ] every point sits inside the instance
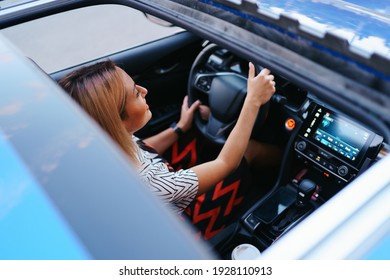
(261, 87)
(187, 114)
(204, 112)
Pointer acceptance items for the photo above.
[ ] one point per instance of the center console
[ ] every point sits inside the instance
(327, 152)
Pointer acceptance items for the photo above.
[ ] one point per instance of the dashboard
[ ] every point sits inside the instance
(329, 141)
(324, 149)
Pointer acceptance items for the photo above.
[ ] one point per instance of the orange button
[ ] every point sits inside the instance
(290, 124)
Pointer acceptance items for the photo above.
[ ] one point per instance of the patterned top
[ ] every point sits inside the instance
(179, 188)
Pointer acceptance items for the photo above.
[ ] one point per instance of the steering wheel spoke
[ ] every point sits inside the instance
(216, 130)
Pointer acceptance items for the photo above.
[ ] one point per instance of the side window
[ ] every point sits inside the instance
(70, 38)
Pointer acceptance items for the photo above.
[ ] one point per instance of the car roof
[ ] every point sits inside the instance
(364, 24)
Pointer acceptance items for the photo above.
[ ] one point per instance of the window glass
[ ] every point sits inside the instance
(68, 39)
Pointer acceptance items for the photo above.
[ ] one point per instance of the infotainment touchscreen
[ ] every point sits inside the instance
(335, 143)
(341, 135)
(338, 135)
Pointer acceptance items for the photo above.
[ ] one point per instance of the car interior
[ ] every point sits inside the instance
(324, 146)
(324, 149)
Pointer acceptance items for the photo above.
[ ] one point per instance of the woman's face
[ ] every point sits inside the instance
(138, 113)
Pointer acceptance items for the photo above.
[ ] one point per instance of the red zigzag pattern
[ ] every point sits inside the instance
(189, 149)
(213, 214)
(219, 191)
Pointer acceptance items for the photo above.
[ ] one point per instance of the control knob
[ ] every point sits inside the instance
(301, 145)
(343, 170)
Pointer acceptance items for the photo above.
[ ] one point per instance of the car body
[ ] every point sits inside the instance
(66, 186)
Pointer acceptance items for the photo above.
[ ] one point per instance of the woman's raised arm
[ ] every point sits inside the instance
(260, 89)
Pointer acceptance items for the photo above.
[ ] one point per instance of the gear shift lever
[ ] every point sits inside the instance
(306, 189)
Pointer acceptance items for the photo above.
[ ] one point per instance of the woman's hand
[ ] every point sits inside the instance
(187, 114)
(163, 140)
(204, 112)
(260, 87)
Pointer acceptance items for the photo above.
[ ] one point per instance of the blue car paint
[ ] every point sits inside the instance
(30, 225)
(380, 251)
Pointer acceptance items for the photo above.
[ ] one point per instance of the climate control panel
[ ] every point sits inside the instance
(325, 160)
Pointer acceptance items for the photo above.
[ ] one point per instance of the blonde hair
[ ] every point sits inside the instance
(99, 89)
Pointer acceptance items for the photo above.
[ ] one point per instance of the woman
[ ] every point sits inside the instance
(113, 99)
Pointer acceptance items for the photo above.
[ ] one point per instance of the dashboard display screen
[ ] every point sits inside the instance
(340, 135)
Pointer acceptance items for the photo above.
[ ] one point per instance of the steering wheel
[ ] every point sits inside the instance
(224, 91)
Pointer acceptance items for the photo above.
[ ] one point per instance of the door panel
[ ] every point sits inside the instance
(162, 67)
